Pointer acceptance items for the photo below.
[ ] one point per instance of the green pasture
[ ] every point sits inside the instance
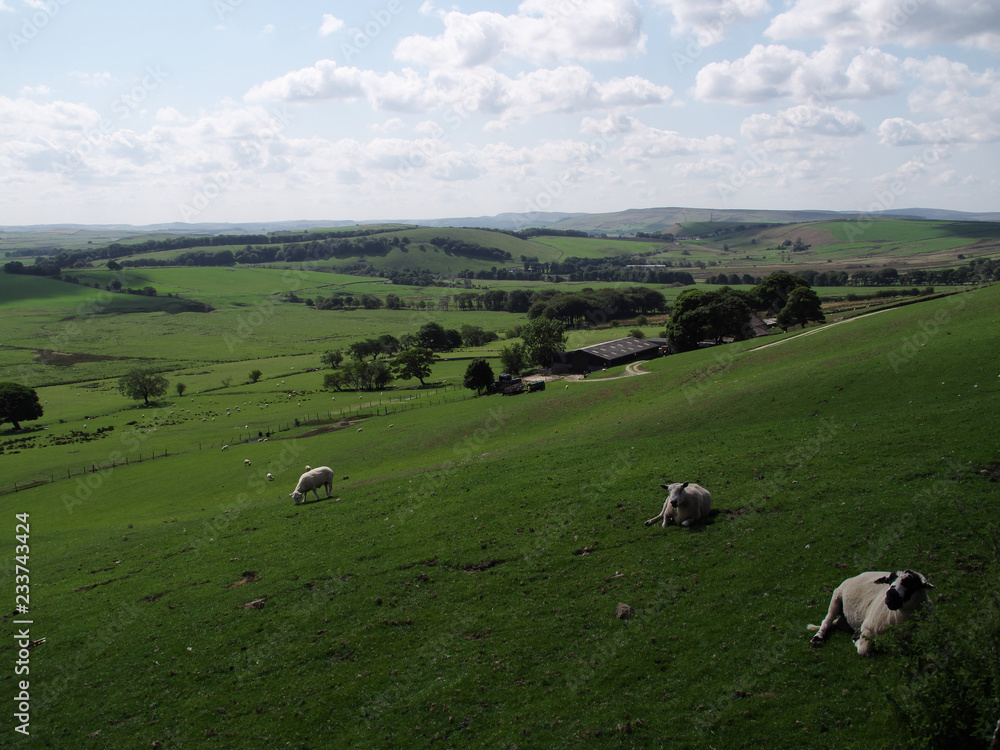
(461, 585)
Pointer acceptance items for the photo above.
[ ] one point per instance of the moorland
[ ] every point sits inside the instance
(462, 586)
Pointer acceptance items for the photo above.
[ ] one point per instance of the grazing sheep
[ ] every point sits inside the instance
(308, 467)
(225, 447)
(246, 461)
(321, 476)
(270, 477)
(871, 602)
(686, 504)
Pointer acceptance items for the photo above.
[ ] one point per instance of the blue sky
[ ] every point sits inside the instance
(254, 110)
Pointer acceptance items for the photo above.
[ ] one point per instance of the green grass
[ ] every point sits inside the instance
(461, 588)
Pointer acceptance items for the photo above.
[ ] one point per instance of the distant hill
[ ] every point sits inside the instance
(625, 222)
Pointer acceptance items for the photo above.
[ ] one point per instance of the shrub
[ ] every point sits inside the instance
(950, 678)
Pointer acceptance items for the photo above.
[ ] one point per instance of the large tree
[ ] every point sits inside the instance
(708, 315)
(18, 403)
(478, 375)
(142, 383)
(543, 338)
(513, 358)
(434, 337)
(414, 363)
(332, 359)
(359, 376)
(803, 306)
(771, 293)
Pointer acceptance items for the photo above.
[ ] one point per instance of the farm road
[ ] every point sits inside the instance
(636, 367)
(811, 331)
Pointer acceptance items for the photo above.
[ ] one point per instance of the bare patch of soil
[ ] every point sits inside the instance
(249, 576)
(66, 359)
(326, 429)
(486, 565)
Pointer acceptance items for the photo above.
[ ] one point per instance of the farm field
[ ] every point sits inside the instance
(461, 586)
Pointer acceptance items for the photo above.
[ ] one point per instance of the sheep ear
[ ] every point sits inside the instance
(926, 584)
(665, 486)
(683, 486)
(886, 579)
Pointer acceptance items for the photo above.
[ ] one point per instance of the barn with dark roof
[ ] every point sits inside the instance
(608, 354)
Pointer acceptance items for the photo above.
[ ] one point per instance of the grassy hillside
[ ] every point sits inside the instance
(462, 585)
(664, 219)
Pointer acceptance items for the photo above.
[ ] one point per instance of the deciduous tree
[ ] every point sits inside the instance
(18, 403)
(414, 363)
(142, 383)
(543, 338)
(478, 375)
(803, 306)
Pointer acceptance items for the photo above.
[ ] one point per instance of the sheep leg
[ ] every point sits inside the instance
(663, 515)
(836, 610)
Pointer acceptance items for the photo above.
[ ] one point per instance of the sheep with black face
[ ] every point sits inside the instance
(871, 602)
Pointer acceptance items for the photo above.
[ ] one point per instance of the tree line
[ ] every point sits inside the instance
(716, 315)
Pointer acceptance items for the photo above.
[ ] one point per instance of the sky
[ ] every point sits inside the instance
(254, 110)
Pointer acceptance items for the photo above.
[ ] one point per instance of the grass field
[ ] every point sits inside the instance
(460, 589)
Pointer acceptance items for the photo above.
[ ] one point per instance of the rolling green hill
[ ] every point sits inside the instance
(461, 587)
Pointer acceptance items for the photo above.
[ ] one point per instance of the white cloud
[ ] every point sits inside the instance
(802, 120)
(641, 142)
(393, 123)
(710, 20)
(269, 28)
(566, 89)
(19, 117)
(39, 90)
(170, 115)
(965, 103)
(778, 72)
(96, 80)
(330, 25)
(324, 80)
(972, 23)
(544, 31)
(572, 89)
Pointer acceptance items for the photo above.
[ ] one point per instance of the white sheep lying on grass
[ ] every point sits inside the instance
(270, 477)
(872, 602)
(322, 476)
(246, 461)
(686, 504)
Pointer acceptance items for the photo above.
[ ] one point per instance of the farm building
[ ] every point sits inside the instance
(608, 354)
